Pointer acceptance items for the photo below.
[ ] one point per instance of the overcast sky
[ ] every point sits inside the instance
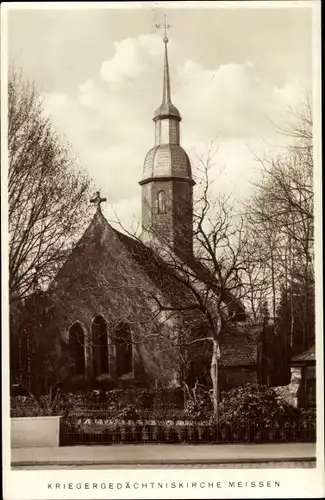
(233, 72)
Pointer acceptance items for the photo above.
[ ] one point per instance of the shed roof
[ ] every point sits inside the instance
(308, 355)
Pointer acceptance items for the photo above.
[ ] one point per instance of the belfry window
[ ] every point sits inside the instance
(161, 198)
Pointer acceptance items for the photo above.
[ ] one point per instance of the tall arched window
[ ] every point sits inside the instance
(100, 346)
(124, 352)
(161, 199)
(77, 348)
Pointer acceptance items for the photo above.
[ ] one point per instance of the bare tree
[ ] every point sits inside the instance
(48, 194)
(38, 362)
(212, 286)
(282, 210)
(173, 306)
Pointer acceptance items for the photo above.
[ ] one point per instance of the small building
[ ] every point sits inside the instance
(301, 391)
(304, 365)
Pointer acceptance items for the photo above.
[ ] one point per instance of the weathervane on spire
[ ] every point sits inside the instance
(97, 200)
(165, 27)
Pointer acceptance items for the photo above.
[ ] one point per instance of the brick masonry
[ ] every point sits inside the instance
(175, 226)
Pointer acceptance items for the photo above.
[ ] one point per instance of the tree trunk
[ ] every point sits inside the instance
(28, 364)
(20, 360)
(184, 389)
(273, 284)
(214, 379)
(306, 313)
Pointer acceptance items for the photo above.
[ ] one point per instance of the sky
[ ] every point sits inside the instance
(234, 73)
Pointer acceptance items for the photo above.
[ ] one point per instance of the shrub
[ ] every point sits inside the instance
(153, 400)
(25, 406)
(256, 405)
(128, 414)
(199, 409)
(199, 406)
(307, 417)
(22, 406)
(147, 399)
(73, 424)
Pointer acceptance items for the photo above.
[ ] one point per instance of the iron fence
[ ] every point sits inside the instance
(77, 430)
(100, 424)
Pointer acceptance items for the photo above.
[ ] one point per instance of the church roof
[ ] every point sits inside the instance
(108, 259)
(118, 259)
(123, 259)
(152, 263)
(238, 349)
(167, 160)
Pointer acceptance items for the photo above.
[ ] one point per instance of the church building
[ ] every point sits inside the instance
(101, 308)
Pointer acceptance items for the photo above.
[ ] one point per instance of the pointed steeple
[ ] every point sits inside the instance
(166, 109)
(166, 94)
(167, 182)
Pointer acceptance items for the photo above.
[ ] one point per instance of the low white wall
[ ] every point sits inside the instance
(27, 432)
(290, 392)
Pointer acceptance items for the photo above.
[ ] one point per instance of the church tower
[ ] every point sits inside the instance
(167, 183)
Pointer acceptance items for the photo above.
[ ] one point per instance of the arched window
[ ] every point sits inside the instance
(77, 348)
(161, 198)
(124, 353)
(100, 346)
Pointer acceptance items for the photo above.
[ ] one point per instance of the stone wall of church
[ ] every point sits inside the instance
(162, 224)
(235, 376)
(96, 282)
(183, 217)
(146, 369)
(174, 224)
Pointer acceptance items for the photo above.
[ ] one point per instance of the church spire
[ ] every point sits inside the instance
(166, 94)
(166, 109)
(167, 183)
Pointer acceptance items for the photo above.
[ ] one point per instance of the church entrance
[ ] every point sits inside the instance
(124, 352)
(100, 346)
(77, 348)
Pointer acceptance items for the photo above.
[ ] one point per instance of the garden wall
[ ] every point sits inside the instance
(30, 432)
(290, 392)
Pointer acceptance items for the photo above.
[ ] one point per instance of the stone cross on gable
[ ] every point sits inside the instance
(165, 27)
(97, 200)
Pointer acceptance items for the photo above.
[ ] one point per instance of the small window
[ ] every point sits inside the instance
(161, 202)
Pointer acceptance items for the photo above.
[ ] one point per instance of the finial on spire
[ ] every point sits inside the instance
(165, 27)
(97, 200)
